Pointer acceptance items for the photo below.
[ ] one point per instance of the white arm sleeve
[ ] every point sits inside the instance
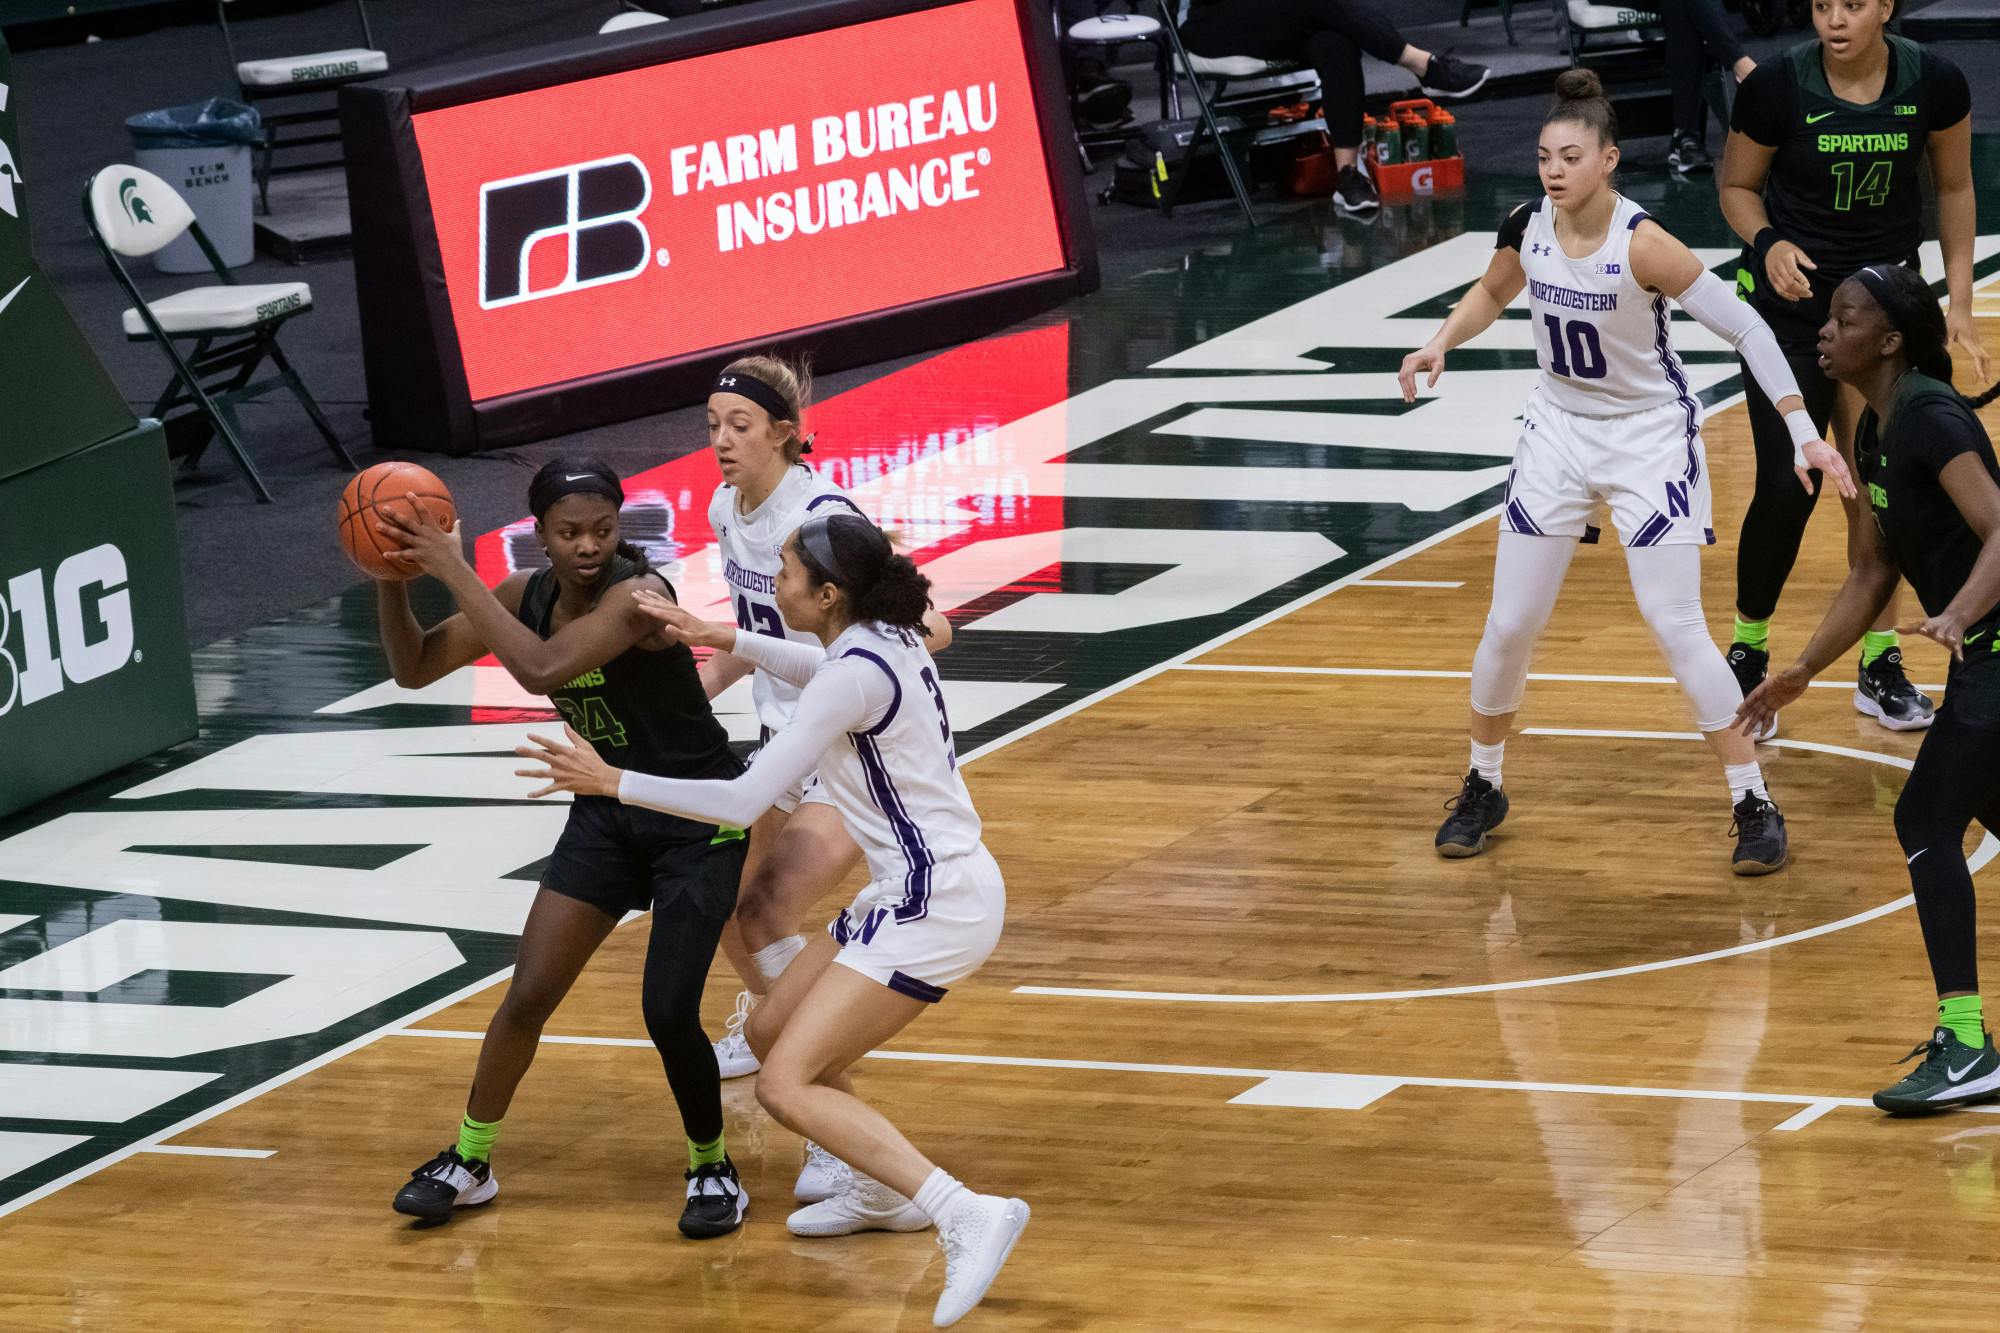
(793, 663)
(846, 696)
(1711, 301)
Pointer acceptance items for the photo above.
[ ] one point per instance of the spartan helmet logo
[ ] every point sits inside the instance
(128, 198)
(10, 174)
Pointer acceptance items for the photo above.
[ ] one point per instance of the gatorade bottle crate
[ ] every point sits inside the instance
(1402, 181)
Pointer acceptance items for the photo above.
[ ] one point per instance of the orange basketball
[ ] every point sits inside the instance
(387, 487)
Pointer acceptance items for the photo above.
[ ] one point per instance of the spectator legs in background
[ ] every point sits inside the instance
(1697, 28)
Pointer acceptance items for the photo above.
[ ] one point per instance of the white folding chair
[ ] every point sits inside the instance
(270, 77)
(233, 326)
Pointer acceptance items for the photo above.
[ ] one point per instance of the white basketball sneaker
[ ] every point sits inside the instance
(822, 1176)
(865, 1205)
(733, 1056)
(976, 1239)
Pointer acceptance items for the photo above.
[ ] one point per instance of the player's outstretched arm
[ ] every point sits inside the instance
(1472, 316)
(795, 663)
(1661, 263)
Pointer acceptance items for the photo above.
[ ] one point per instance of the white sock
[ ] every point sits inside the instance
(941, 1193)
(1743, 779)
(773, 959)
(1486, 760)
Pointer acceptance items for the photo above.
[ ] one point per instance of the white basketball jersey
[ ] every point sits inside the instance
(1601, 338)
(752, 547)
(896, 783)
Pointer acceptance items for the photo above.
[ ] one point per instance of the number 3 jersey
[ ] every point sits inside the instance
(894, 775)
(752, 546)
(1600, 337)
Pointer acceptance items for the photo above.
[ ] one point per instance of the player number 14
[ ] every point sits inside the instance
(1874, 189)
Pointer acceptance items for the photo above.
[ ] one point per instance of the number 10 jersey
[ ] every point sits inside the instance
(1600, 337)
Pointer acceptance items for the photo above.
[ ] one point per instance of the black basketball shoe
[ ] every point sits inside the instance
(1446, 77)
(1354, 194)
(1882, 691)
(1749, 665)
(1477, 810)
(1689, 155)
(444, 1184)
(716, 1201)
(1759, 831)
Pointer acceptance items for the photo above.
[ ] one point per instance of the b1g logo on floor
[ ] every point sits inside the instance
(571, 228)
(75, 627)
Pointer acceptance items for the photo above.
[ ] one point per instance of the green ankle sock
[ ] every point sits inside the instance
(1753, 633)
(475, 1139)
(1876, 642)
(1961, 1013)
(705, 1154)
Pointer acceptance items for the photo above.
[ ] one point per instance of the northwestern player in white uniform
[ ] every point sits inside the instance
(799, 849)
(870, 719)
(1611, 420)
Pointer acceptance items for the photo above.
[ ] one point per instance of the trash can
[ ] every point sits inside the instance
(203, 150)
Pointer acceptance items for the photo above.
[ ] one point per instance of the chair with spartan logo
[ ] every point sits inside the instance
(233, 326)
(296, 77)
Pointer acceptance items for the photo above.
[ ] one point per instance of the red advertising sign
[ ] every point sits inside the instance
(724, 198)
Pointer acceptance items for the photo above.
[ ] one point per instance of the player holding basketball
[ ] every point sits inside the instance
(870, 720)
(1610, 419)
(799, 849)
(1821, 177)
(1934, 492)
(575, 632)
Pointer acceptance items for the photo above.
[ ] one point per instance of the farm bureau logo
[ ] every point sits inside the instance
(589, 212)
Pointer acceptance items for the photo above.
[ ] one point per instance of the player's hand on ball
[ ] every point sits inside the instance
(1425, 358)
(575, 767)
(1946, 627)
(1777, 691)
(425, 546)
(1823, 456)
(680, 623)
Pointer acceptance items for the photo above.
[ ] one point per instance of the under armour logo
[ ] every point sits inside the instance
(1538, 248)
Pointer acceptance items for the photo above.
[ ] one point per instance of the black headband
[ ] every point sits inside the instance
(1884, 291)
(758, 392)
(565, 482)
(816, 541)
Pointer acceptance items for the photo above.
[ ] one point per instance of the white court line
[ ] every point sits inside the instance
(1415, 673)
(271, 1084)
(1406, 583)
(176, 1150)
(1988, 848)
(1814, 1106)
(1806, 1117)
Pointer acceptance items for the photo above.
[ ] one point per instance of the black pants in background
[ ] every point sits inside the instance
(1692, 26)
(1329, 35)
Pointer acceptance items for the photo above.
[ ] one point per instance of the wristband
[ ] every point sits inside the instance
(1761, 246)
(1800, 424)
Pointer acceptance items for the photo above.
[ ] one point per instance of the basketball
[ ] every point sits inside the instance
(386, 487)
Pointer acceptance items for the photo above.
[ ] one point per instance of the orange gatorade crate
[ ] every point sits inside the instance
(1400, 182)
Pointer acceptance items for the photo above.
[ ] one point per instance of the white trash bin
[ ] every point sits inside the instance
(204, 152)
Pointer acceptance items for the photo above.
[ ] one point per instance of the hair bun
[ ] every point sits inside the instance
(1578, 85)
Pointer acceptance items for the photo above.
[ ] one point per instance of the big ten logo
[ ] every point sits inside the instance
(91, 611)
(551, 232)
(646, 520)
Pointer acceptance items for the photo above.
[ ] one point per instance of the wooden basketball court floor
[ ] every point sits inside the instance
(1257, 1058)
